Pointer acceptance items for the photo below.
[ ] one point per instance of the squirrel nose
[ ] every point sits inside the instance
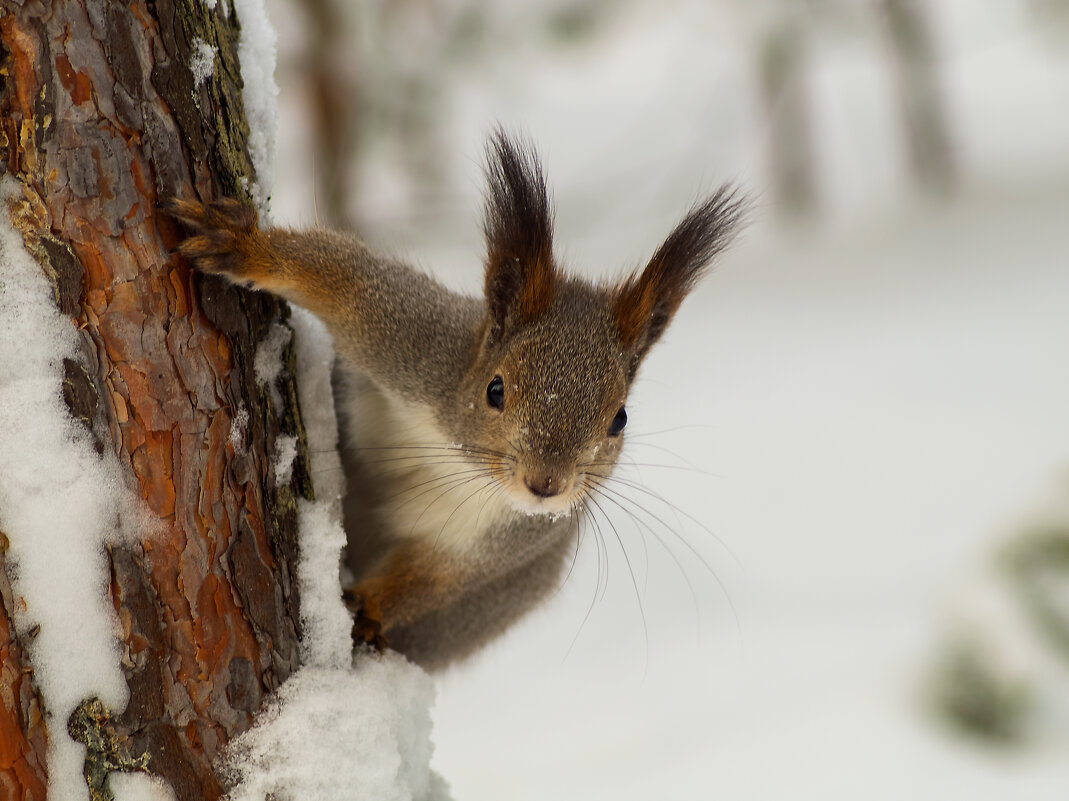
(544, 486)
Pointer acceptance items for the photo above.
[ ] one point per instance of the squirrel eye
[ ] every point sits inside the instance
(495, 393)
(618, 423)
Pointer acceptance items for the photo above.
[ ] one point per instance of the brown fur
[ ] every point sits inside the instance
(230, 241)
(410, 577)
(521, 276)
(438, 572)
(645, 303)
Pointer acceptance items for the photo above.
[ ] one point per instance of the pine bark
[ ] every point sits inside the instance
(100, 121)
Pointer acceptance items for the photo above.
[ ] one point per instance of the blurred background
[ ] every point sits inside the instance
(839, 566)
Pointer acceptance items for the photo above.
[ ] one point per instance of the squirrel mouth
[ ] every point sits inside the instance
(541, 494)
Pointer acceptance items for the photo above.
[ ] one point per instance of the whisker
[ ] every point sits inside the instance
(419, 461)
(456, 509)
(637, 487)
(668, 451)
(439, 480)
(455, 484)
(634, 584)
(430, 453)
(600, 537)
(594, 598)
(578, 510)
(679, 565)
(445, 483)
(401, 470)
(634, 434)
(720, 583)
(453, 458)
(456, 448)
(627, 462)
(496, 490)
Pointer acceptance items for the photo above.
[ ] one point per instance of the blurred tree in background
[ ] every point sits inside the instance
(1051, 16)
(375, 78)
(787, 46)
(920, 94)
(783, 63)
(376, 74)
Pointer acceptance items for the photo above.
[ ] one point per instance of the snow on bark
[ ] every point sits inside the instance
(101, 119)
(340, 733)
(60, 503)
(257, 54)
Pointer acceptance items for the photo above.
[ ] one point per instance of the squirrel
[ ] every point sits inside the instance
(475, 429)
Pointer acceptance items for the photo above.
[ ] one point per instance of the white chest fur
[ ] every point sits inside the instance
(432, 489)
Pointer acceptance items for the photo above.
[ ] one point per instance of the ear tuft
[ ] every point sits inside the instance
(520, 273)
(645, 303)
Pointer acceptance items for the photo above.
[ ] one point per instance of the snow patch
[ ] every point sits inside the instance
(139, 787)
(314, 352)
(325, 622)
(324, 619)
(339, 733)
(285, 453)
(59, 504)
(267, 363)
(203, 62)
(257, 54)
(238, 424)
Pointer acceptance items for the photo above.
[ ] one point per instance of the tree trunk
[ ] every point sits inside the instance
(783, 70)
(102, 120)
(333, 103)
(924, 115)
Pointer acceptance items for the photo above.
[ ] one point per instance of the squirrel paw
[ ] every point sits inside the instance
(223, 236)
(367, 621)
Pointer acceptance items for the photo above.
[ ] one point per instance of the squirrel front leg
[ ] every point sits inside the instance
(412, 580)
(227, 240)
(401, 328)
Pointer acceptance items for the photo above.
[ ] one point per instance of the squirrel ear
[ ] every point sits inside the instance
(521, 276)
(645, 302)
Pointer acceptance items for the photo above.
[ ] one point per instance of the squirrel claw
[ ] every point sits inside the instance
(367, 622)
(225, 213)
(221, 235)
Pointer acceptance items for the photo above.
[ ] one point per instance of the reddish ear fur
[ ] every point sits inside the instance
(644, 303)
(521, 276)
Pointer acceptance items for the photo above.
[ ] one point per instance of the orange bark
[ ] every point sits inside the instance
(23, 738)
(100, 121)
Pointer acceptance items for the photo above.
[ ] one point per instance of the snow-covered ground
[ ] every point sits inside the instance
(870, 406)
(873, 412)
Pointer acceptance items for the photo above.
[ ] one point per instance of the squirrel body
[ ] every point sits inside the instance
(475, 429)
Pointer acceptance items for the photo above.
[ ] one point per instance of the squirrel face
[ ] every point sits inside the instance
(547, 388)
(549, 401)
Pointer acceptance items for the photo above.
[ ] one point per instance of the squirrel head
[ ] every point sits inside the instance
(546, 393)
